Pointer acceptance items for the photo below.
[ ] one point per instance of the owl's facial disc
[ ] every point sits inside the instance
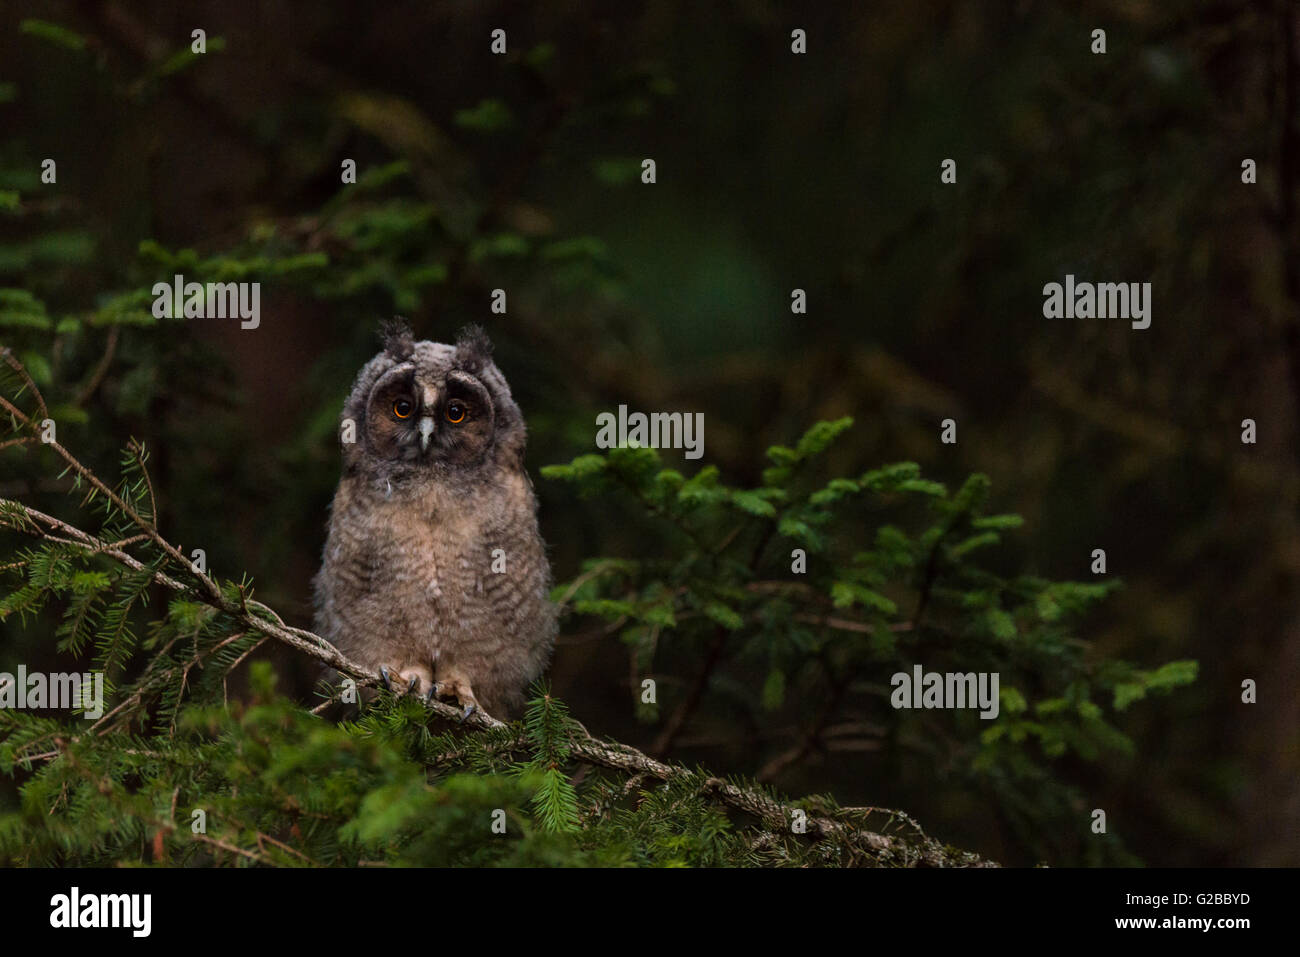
(430, 413)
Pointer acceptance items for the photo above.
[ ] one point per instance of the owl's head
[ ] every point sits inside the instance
(427, 405)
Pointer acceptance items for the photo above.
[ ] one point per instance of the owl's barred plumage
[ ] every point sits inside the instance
(434, 568)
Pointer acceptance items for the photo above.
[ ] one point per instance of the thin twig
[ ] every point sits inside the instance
(101, 369)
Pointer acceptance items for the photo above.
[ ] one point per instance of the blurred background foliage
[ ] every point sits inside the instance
(774, 172)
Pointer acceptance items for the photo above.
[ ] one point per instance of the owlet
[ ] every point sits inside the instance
(434, 571)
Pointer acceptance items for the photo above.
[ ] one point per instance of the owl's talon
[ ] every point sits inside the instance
(408, 678)
(432, 694)
(454, 687)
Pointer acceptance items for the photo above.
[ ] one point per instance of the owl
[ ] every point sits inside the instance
(434, 571)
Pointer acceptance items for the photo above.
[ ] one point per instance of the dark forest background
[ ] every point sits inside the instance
(774, 172)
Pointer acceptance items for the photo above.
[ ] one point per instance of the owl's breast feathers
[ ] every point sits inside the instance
(453, 575)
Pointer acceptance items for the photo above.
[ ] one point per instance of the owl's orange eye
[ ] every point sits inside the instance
(403, 408)
(455, 412)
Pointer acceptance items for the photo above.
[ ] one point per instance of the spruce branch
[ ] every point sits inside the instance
(145, 527)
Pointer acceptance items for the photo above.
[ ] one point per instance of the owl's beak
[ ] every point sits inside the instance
(426, 430)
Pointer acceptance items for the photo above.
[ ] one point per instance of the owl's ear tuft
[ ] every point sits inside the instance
(399, 341)
(473, 349)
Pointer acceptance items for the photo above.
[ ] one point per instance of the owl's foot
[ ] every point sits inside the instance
(409, 679)
(458, 689)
